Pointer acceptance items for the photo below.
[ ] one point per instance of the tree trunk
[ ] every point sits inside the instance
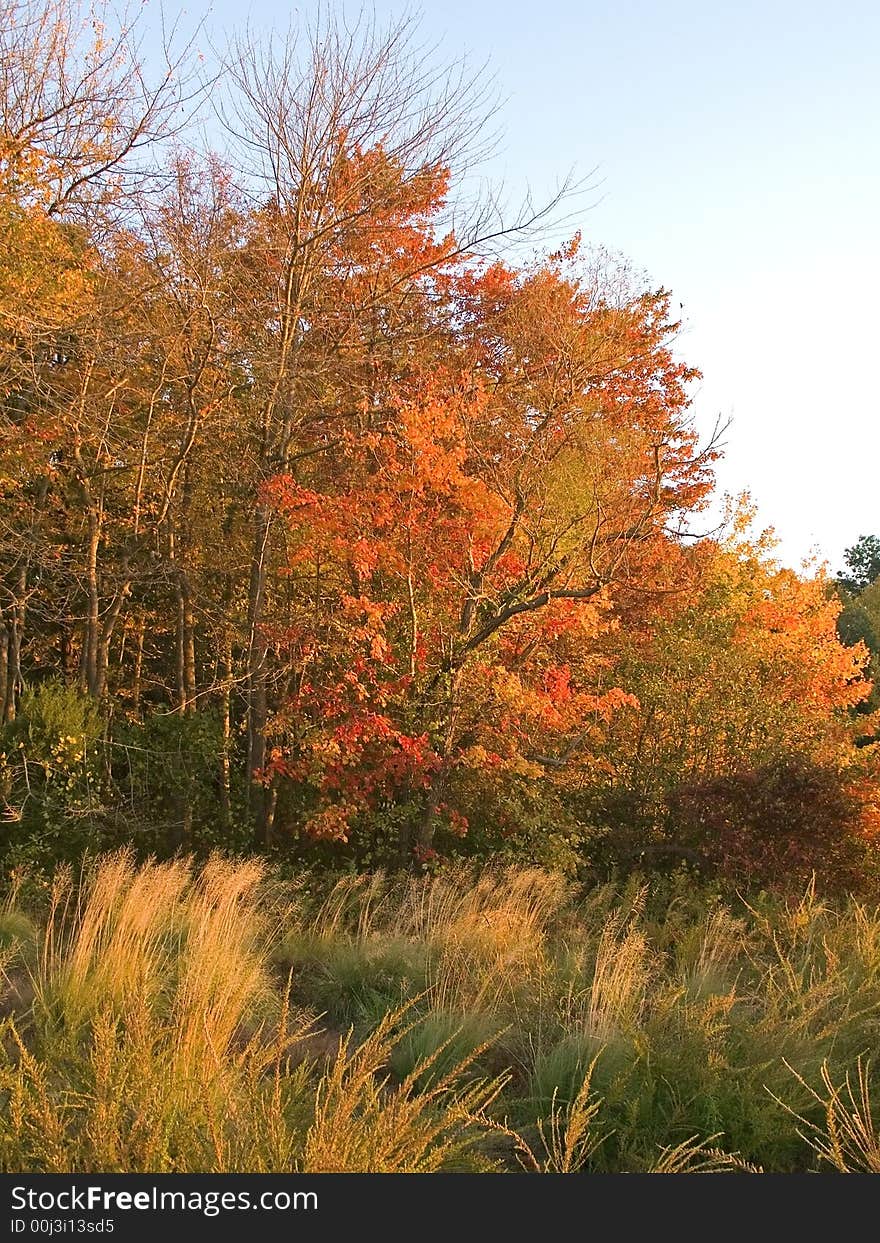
(189, 646)
(186, 646)
(89, 668)
(138, 665)
(257, 689)
(226, 719)
(14, 628)
(4, 671)
(66, 658)
(104, 639)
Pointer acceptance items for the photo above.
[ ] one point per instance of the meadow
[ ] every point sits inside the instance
(168, 1017)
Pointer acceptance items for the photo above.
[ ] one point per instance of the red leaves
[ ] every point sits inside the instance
(556, 684)
(368, 759)
(776, 825)
(446, 561)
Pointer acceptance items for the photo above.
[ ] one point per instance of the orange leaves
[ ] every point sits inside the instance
(556, 684)
(368, 620)
(44, 275)
(569, 250)
(863, 786)
(455, 559)
(741, 673)
(330, 823)
(431, 445)
(284, 492)
(794, 622)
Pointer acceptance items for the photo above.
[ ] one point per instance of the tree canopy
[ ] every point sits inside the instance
(330, 525)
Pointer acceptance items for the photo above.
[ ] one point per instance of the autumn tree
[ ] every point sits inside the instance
(81, 114)
(347, 136)
(458, 563)
(78, 112)
(325, 517)
(743, 675)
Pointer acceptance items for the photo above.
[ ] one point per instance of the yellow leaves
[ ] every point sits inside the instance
(326, 750)
(749, 666)
(608, 705)
(507, 687)
(491, 765)
(475, 757)
(44, 277)
(523, 767)
(867, 727)
(330, 824)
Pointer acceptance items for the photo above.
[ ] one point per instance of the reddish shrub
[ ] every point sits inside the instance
(776, 826)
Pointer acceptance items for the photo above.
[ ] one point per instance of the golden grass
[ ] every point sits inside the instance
(619, 982)
(167, 1018)
(848, 1141)
(158, 1041)
(361, 1125)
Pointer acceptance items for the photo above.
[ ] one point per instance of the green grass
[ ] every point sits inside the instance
(17, 932)
(164, 1018)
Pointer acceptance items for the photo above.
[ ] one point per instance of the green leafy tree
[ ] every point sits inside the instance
(862, 564)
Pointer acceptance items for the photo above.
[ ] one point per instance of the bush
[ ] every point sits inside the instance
(50, 775)
(775, 826)
(167, 773)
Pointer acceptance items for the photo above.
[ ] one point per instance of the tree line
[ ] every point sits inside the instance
(332, 526)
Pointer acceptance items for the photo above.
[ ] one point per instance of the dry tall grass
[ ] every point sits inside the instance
(158, 1040)
(169, 1018)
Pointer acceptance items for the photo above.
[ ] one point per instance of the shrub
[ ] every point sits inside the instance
(51, 784)
(775, 826)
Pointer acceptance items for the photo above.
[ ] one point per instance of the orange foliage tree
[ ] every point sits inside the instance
(744, 698)
(454, 560)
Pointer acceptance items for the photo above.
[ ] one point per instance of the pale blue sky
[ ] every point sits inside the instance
(738, 163)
